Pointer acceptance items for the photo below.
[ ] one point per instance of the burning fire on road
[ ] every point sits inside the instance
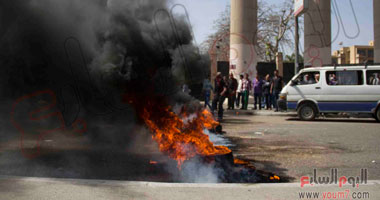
(181, 136)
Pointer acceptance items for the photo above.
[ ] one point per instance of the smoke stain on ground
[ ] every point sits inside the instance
(270, 154)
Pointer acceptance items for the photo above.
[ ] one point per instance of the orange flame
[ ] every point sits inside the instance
(182, 141)
(181, 136)
(208, 120)
(152, 162)
(240, 162)
(274, 178)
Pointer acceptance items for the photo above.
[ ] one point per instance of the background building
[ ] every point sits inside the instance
(356, 54)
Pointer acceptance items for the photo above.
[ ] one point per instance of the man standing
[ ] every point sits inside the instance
(240, 92)
(277, 85)
(257, 85)
(207, 88)
(220, 91)
(245, 89)
(266, 92)
(233, 85)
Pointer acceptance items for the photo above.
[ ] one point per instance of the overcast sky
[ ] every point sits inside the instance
(204, 12)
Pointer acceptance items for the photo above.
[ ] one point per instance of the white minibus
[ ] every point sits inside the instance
(334, 89)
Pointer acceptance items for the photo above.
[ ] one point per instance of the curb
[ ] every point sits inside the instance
(288, 114)
(164, 184)
(260, 113)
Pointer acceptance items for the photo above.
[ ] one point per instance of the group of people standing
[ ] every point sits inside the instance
(238, 91)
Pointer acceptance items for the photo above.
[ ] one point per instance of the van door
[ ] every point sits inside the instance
(344, 91)
(308, 87)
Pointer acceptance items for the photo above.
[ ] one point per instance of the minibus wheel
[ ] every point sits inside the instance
(377, 115)
(307, 112)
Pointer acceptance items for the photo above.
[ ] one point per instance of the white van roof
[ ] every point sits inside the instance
(359, 67)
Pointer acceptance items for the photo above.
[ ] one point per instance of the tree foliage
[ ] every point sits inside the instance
(275, 32)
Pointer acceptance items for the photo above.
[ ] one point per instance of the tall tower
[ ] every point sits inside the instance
(318, 33)
(243, 57)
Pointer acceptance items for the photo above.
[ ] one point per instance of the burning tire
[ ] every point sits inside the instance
(307, 112)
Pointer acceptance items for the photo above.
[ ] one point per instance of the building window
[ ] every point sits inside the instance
(370, 53)
(361, 52)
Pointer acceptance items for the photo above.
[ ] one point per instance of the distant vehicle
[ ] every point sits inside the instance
(343, 89)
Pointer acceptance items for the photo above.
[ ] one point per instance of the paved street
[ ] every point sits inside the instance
(293, 148)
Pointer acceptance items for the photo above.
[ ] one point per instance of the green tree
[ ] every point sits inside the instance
(291, 58)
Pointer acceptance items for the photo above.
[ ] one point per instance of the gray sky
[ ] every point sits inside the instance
(204, 12)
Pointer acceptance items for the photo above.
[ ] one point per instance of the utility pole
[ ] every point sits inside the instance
(300, 7)
(296, 53)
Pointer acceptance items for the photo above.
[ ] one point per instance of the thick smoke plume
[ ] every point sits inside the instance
(89, 53)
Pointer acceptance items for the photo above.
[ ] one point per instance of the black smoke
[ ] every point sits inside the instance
(88, 54)
(89, 51)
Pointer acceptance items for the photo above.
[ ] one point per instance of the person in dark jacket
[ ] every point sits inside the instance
(266, 92)
(220, 92)
(232, 87)
(277, 85)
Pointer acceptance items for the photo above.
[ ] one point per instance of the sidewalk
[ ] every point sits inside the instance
(21, 188)
(257, 112)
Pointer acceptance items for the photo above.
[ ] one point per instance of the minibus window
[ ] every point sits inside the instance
(344, 78)
(308, 78)
(373, 77)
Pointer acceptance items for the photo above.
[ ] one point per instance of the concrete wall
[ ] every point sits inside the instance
(318, 33)
(243, 36)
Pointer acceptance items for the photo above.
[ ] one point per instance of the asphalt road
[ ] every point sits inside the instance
(282, 145)
(275, 144)
(292, 148)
